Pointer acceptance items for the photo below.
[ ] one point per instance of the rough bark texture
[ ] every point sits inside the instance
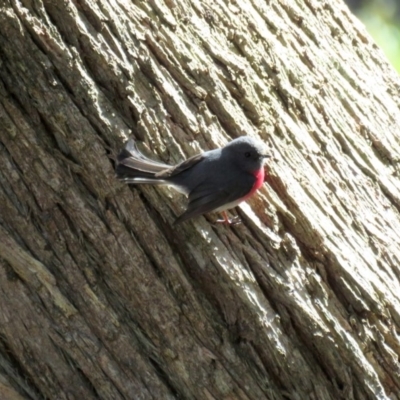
(102, 298)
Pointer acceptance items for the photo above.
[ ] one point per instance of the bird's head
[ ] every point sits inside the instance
(247, 152)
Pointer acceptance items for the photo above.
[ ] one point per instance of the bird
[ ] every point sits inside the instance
(214, 181)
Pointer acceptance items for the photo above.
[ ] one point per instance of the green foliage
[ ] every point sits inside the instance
(381, 18)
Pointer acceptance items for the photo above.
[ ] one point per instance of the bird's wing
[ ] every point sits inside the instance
(131, 159)
(184, 165)
(204, 199)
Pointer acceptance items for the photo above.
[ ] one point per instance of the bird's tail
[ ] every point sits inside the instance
(134, 167)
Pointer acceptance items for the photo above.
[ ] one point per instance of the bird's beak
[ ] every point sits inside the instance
(265, 156)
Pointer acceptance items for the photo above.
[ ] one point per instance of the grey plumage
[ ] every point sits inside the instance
(212, 180)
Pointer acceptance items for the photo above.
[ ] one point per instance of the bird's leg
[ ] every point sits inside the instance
(227, 221)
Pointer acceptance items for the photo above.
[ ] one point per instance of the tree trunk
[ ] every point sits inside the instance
(102, 297)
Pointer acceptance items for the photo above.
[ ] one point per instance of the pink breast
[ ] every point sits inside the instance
(257, 184)
(259, 175)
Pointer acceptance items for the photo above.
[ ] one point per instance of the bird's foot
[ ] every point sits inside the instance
(228, 221)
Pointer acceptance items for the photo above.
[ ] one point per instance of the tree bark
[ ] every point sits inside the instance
(102, 297)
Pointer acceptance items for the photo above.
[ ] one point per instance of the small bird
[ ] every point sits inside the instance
(215, 180)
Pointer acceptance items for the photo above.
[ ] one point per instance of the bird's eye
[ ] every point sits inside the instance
(247, 154)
